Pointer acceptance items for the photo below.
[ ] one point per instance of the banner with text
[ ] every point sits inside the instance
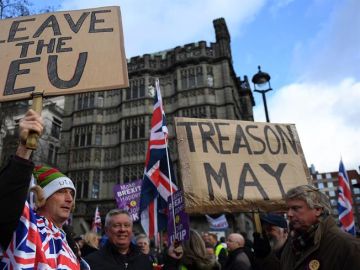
(178, 221)
(218, 224)
(62, 53)
(229, 165)
(127, 197)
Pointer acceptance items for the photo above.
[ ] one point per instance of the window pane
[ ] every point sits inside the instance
(82, 142)
(50, 154)
(86, 189)
(76, 143)
(88, 141)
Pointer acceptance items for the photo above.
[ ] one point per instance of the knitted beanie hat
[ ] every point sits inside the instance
(51, 180)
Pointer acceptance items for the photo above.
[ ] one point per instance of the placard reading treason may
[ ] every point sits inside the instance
(62, 53)
(229, 165)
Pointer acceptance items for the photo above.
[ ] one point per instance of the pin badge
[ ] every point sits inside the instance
(314, 265)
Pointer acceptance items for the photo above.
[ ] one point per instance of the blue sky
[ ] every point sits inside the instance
(309, 47)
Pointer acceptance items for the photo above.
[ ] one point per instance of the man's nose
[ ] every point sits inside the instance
(68, 196)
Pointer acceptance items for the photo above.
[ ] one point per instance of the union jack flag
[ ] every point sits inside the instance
(96, 225)
(158, 180)
(345, 202)
(37, 244)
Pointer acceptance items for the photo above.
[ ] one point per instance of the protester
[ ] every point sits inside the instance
(38, 241)
(143, 242)
(118, 252)
(192, 255)
(315, 242)
(220, 251)
(223, 241)
(237, 258)
(276, 229)
(91, 243)
(74, 245)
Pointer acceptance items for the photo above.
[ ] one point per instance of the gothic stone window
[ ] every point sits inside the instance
(52, 155)
(56, 128)
(192, 77)
(136, 89)
(83, 136)
(133, 172)
(85, 100)
(135, 128)
(81, 180)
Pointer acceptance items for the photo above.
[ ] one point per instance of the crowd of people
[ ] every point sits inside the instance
(34, 235)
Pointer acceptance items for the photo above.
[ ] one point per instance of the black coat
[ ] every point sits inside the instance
(238, 260)
(108, 258)
(14, 185)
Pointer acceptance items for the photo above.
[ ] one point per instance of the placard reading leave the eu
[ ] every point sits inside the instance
(62, 53)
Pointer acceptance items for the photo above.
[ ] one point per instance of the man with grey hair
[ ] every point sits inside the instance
(119, 253)
(143, 242)
(315, 241)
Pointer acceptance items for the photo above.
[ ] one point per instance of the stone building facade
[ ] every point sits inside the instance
(49, 142)
(106, 133)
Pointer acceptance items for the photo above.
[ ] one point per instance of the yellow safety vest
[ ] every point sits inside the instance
(218, 249)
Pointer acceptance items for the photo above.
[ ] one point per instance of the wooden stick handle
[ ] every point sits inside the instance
(257, 222)
(32, 140)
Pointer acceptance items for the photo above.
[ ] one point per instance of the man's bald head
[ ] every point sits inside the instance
(234, 241)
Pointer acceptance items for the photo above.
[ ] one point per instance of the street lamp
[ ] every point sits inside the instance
(262, 85)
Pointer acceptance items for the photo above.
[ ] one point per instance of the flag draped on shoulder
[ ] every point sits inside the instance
(346, 216)
(158, 179)
(96, 225)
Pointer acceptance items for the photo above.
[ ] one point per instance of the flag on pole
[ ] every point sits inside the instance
(96, 225)
(346, 216)
(158, 179)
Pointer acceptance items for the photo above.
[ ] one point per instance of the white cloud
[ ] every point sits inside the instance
(326, 117)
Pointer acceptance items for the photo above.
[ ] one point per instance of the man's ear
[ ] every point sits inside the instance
(318, 211)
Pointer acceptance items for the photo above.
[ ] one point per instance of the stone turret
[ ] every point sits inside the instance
(222, 38)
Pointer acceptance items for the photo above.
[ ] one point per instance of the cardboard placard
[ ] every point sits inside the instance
(229, 165)
(62, 53)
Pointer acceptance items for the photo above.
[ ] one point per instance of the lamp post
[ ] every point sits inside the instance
(262, 85)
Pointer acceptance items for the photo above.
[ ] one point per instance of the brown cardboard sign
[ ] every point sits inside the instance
(62, 53)
(229, 165)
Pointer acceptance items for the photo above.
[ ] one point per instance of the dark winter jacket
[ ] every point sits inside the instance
(190, 264)
(332, 250)
(14, 184)
(237, 260)
(87, 249)
(108, 258)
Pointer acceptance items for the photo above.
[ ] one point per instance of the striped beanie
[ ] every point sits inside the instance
(51, 180)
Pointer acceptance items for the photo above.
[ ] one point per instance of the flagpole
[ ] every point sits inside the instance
(171, 189)
(168, 165)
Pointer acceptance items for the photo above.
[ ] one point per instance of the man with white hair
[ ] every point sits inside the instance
(237, 258)
(119, 253)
